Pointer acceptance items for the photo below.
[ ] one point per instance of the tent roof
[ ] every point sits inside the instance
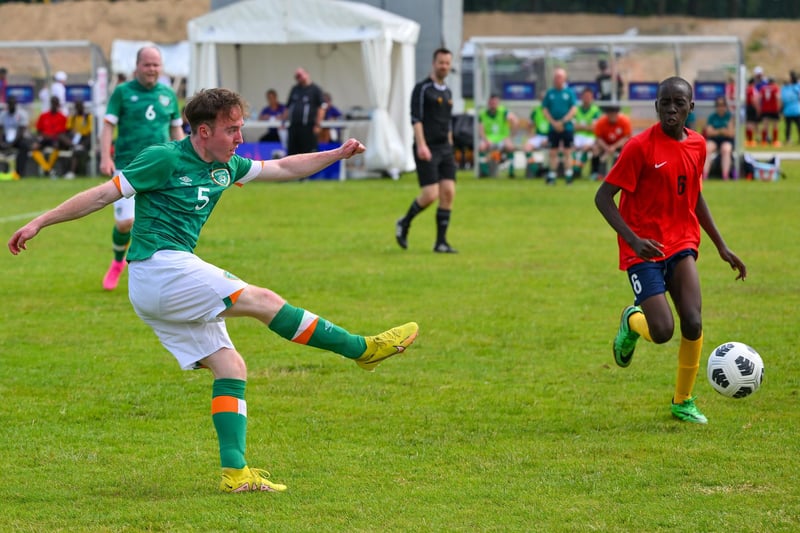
(300, 21)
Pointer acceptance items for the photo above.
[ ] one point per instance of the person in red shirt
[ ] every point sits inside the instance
(752, 113)
(658, 220)
(611, 132)
(770, 96)
(52, 133)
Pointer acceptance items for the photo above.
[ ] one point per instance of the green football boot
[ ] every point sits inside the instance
(625, 341)
(688, 412)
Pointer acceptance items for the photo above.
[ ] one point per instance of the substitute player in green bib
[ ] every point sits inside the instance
(587, 113)
(495, 126)
(186, 300)
(145, 112)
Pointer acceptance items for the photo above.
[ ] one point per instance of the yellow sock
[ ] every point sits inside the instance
(38, 156)
(53, 158)
(688, 365)
(638, 323)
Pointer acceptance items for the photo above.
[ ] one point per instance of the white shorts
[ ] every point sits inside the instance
(124, 208)
(537, 141)
(181, 296)
(499, 146)
(583, 142)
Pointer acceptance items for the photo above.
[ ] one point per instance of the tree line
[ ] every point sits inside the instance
(768, 9)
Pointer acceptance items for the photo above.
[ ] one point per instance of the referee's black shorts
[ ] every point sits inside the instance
(442, 165)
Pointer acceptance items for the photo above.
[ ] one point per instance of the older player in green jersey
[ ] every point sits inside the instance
(145, 112)
(186, 300)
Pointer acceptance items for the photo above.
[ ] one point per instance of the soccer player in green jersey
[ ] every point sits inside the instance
(186, 300)
(146, 112)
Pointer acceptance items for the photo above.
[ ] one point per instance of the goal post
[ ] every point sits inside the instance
(520, 69)
(31, 64)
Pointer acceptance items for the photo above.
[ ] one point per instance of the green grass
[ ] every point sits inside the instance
(508, 414)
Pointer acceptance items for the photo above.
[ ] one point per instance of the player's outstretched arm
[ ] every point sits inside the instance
(301, 165)
(78, 206)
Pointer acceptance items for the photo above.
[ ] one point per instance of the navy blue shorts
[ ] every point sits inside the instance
(651, 277)
(565, 137)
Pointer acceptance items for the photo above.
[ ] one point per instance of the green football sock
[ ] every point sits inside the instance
(121, 241)
(302, 327)
(229, 413)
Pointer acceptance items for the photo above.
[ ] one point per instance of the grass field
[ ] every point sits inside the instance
(508, 414)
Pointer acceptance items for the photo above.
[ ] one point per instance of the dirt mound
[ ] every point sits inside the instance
(771, 44)
(160, 21)
(768, 43)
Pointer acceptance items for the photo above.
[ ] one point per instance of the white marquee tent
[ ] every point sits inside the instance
(362, 55)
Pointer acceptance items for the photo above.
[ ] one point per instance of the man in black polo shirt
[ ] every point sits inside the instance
(305, 110)
(431, 114)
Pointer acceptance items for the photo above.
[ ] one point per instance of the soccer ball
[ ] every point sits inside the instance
(735, 370)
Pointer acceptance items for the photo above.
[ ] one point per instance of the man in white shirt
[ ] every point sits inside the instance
(14, 132)
(57, 88)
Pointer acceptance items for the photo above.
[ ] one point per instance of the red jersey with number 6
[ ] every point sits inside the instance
(661, 179)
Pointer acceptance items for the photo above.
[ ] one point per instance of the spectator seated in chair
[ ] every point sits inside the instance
(719, 133)
(328, 135)
(274, 110)
(52, 133)
(79, 125)
(14, 135)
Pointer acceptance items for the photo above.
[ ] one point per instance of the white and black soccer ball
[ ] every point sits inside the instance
(735, 370)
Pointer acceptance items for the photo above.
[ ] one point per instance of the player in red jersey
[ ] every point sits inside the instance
(770, 96)
(661, 210)
(752, 112)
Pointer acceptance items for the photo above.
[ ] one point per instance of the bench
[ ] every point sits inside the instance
(8, 165)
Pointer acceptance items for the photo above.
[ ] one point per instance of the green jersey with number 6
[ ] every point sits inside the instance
(143, 117)
(175, 194)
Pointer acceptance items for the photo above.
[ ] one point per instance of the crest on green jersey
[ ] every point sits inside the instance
(221, 177)
(164, 100)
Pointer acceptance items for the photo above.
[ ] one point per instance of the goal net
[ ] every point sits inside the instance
(520, 69)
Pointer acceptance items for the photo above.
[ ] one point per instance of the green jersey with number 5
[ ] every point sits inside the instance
(143, 117)
(175, 194)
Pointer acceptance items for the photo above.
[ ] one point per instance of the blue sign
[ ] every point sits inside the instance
(643, 90)
(79, 92)
(579, 86)
(519, 90)
(272, 150)
(23, 93)
(708, 90)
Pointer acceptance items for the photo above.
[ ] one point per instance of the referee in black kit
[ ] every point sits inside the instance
(431, 114)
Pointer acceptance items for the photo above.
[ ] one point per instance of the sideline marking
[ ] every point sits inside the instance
(21, 216)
